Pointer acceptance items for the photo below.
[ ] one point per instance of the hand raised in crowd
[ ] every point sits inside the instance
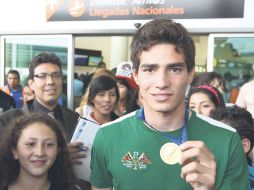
(198, 165)
(77, 150)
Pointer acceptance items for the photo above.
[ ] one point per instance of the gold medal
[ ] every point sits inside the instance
(170, 153)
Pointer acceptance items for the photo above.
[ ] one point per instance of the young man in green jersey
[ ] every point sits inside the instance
(164, 146)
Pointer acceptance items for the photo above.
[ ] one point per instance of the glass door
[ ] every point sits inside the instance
(232, 55)
(17, 52)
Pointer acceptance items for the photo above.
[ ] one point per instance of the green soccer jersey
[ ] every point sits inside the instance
(126, 155)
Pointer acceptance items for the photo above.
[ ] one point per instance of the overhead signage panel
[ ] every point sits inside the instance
(88, 10)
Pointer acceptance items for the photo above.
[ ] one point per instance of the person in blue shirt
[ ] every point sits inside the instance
(14, 88)
(77, 86)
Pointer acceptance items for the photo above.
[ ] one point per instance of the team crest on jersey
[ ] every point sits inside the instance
(136, 161)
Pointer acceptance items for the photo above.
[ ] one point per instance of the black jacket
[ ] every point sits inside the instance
(69, 118)
(6, 102)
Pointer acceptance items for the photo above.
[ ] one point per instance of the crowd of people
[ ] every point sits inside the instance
(153, 133)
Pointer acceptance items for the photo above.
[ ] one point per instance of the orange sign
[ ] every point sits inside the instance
(84, 10)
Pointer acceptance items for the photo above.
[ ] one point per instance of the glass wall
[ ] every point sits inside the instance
(115, 49)
(17, 51)
(232, 55)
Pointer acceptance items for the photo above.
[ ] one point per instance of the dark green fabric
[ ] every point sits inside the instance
(130, 137)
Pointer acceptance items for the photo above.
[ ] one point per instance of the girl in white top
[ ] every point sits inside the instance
(103, 96)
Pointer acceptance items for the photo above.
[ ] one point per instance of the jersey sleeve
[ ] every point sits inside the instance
(236, 176)
(100, 176)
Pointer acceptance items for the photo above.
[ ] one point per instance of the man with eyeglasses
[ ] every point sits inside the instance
(45, 79)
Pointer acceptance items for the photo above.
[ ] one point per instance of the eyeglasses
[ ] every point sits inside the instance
(54, 76)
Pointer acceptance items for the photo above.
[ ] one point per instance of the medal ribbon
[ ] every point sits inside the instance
(177, 140)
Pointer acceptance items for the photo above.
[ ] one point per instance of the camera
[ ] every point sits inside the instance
(137, 25)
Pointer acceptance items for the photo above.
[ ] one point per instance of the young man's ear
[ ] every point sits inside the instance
(30, 84)
(246, 145)
(191, 75)
(135, 76)
(15, 154)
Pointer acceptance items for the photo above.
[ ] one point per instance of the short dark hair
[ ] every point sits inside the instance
(238, 118)
(75, 75)
(14, 72)
(232, 113)
(42, 58)
(208, 77)
(101, 83)
(60, 175)
(163, 31)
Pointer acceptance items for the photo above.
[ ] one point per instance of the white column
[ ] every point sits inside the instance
(119, 50)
